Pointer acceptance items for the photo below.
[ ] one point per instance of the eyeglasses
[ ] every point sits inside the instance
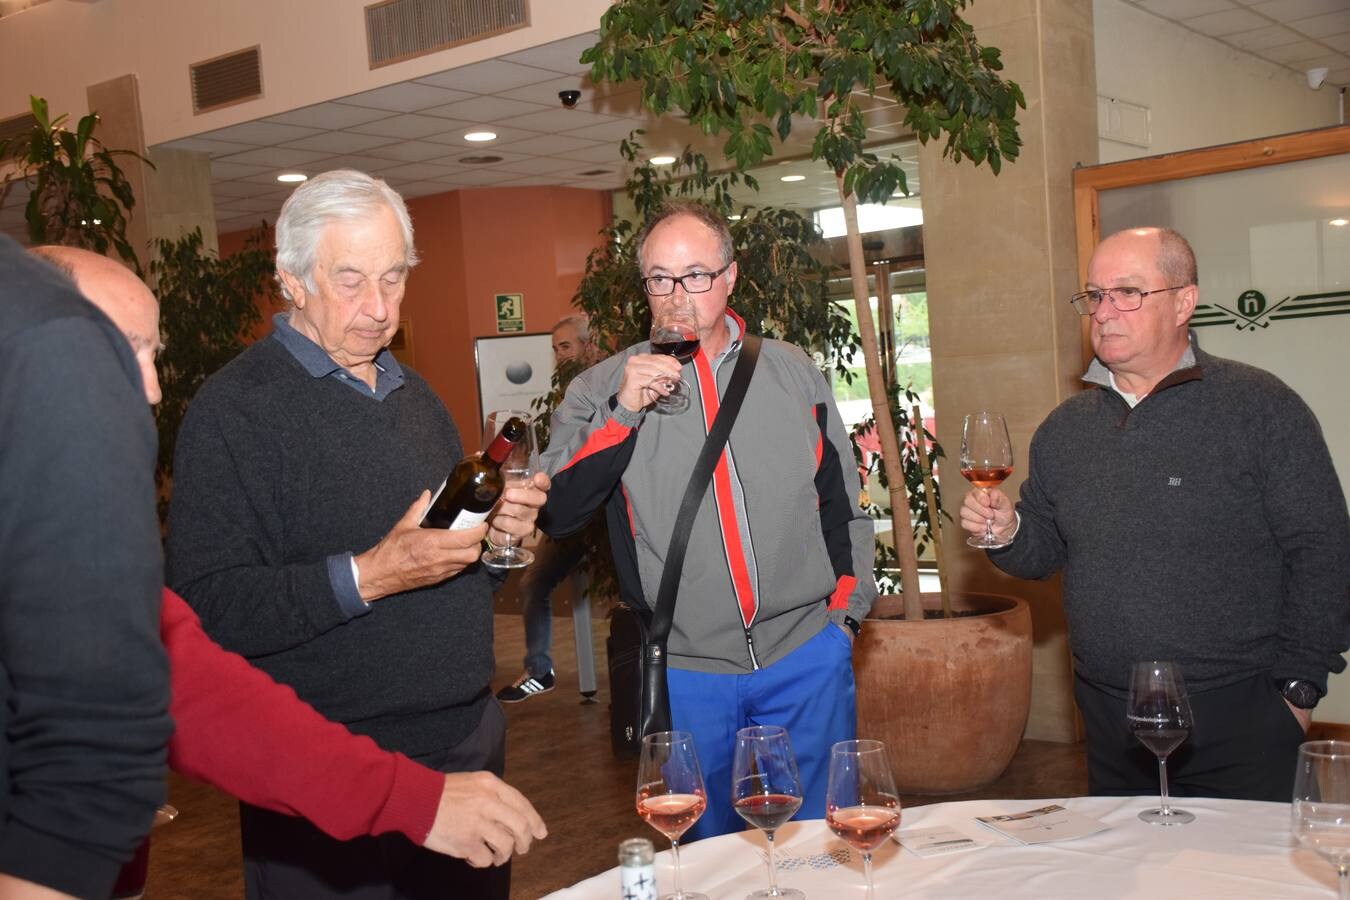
(1124, 299)
(693, 282)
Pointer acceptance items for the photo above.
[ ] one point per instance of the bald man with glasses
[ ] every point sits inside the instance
(1191, 504)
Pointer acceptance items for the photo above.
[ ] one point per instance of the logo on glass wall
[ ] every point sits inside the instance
(1251, 310)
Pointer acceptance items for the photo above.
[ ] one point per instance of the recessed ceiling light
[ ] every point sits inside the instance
(292, 177)
(661, 160)
(479, 160)
(734, 218)
(1339, 223)
(480, 136)
(793, 178)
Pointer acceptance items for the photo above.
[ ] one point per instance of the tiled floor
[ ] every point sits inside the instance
(558, 755)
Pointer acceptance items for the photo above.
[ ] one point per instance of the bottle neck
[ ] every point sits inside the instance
(500, 448)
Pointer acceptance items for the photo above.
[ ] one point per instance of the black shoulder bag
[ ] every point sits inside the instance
(654, 700)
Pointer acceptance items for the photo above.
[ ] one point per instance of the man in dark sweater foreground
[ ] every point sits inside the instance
(1191, 503)
(292, 535)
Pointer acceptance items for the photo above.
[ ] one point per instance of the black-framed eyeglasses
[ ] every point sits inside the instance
(693, 282)
(1124, 299)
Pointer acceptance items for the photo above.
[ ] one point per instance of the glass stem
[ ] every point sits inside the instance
(773, 877)
(675, 852)
(1162, 780)
(989, 525)
(1343, 880)
(867, 872)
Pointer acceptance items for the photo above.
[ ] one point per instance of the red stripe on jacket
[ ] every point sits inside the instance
(610, 435)
(843, 588)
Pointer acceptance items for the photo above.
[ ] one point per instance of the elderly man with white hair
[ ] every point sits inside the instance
(302, 472)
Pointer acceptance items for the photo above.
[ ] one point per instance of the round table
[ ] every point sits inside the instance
(1234, 848)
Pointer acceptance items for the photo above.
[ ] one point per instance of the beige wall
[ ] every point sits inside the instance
(312, 50)
(1199, 92)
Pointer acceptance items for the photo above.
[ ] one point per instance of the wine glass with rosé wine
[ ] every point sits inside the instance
(670, 795)
(861, 805)
(986, 460)
(766, 791)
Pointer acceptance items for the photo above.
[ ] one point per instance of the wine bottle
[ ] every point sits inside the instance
(466, 497)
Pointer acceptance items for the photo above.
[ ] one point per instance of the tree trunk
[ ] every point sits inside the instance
(902, 530)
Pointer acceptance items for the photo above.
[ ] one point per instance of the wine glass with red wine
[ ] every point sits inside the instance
(675, 333)
(766, 791)
(1159, 715)
(861, 803)
(519, 466)
(986, 460)
(670, 795)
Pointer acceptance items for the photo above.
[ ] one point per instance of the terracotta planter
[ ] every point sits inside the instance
(948, 696)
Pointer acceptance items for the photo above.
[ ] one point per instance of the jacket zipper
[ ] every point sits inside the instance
(750, 645)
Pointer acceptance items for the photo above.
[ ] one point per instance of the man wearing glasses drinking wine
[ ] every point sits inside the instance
(302, 471)
(1191, 503)
(779, 567)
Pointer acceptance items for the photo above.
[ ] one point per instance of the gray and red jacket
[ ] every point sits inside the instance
(779, 545)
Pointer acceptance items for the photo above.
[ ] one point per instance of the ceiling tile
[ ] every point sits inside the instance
(557, 120)
(537, 181)
(504, 134)
(229, 171)
(487, 77)
(485, 109)
(1288, 10)
(419, 171)
(1293, 54)
(1325, 61)
(338, 142)
(560, 56)
(329, 116)
(1185, 9)
(504, 156)
(413, 151)
(275, 156)
(542, 165)
(260, 134)
(206, 145)
(551, 145)
(359, 162)
(613, 131)
(1222, 23)
(1263, 38)
(1323, 26)
(470, 177)
(545, 93)
(405, 126)
(602, 154)
(408, 96)
(1339, 42)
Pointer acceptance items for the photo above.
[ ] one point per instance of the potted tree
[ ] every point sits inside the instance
(755, 69)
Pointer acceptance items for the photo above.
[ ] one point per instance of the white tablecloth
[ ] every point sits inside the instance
(1234, 848)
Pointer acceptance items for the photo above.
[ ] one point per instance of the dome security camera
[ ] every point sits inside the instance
(569, 98)
(1317, 76)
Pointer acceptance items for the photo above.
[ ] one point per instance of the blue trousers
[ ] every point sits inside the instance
(809, 692)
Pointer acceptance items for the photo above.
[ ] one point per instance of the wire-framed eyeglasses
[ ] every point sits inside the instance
(1124, 299)
(692, 282)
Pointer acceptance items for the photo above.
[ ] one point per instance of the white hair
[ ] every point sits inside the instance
(580, 322)
(339, 194)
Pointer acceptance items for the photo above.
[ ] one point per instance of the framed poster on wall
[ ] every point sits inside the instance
(513, 370)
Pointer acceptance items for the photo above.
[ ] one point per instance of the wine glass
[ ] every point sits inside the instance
(518, 468)
(861, 804)
(1321, 809)
(670, 795)
(675, 333)
(766, 790)
(1159, 715)
(986, 459)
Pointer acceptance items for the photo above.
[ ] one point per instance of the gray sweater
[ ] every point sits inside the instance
(1206, 526)
(275, 471)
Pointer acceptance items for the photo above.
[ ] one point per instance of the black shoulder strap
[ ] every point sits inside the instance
(664, 614)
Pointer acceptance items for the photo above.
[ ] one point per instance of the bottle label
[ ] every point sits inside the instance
(467, 519)
(639, 882)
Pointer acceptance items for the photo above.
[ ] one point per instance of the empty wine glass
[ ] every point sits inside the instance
(1159, 715)
(986, 460)
(517, 469)
(670, 795)
(1321, 809)
(766, 790)
(861, 804)
(675, 333)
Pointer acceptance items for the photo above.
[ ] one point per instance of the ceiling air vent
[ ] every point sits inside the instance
(15, 126)
(227, 80)
(402, 29)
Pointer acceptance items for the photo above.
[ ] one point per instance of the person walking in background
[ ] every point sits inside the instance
(573, 351)
(1191, 503)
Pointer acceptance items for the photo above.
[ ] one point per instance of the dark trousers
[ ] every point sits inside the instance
(1243, 746)
(287, 858)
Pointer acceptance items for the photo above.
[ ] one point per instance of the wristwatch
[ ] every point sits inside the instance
(853, 625)
(1303, 694)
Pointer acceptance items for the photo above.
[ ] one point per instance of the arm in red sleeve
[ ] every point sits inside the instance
(252, 737)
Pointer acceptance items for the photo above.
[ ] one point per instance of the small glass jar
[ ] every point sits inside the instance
(637, 869)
